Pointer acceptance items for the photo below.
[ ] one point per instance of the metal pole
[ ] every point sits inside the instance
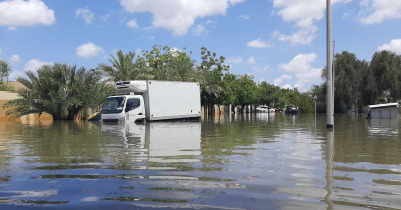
(315, 107)
(329, 84)
(334, 56)
(329, 169)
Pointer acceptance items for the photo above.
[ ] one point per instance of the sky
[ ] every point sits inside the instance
(282, 42)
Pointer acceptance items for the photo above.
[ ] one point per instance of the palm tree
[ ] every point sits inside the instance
(122, 68)
(183, 66)
(61, 90)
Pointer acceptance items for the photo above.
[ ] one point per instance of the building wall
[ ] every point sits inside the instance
(7, 96)
(384, 113)
(4, 98)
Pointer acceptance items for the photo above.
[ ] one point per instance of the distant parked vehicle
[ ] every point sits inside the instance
(291, 110)
(276, 110)
(271, 110)
(262, 109)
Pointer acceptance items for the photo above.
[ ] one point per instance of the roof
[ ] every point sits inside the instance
(16, 85)
(389, 105)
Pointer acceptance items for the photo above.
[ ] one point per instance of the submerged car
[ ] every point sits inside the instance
(291, 110)
(262, 109)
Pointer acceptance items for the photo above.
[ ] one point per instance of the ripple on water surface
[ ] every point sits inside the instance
(250, 161)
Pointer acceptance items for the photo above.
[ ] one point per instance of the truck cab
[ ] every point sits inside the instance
(127, 107)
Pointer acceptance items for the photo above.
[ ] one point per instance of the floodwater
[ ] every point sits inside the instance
(262, 161)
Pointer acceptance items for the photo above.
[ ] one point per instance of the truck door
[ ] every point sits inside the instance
(133, 107)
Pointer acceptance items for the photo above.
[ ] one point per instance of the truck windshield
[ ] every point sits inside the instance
(113, 105)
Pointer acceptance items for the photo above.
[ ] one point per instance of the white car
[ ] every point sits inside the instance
(262, 109)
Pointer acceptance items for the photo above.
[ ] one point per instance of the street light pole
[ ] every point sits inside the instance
(329, 83)
(334, 64)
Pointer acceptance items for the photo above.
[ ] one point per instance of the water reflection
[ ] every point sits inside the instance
(382, 127)
(245, 161)
(329, 168)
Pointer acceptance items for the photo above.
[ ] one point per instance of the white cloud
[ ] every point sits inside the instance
(245, 17)
(364, 3)
(89, 50)
(303, 36)
(283, 77)
(133, 24)
(34, 64)
(202, 28)
(148, 37)
(25, 13)
(236, 59)
(260, 69)
(394, 46)
(199, 30)
(12, 28)
(85, 14)
(287, 86)
(377, 11)
(251, 60)
(208, 22)
(15, 58)
(262, 79)
(301, 65)
(258, 43)
(347, 14)
(178, 15)
(15, 74)
(234, 2)
(306, 79)
(304, 13)
(105, 17)
(0, 51)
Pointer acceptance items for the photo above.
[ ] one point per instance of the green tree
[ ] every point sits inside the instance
(182, 66)
(228, 95)
(209, 74)
(320, 92)
(122, 67)
(246, 91)
(347, 81)
(158, 62)
(266, 94)
(61, 90)
(5, 70)
(386, 70)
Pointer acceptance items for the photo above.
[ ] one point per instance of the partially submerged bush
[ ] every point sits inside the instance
(60, 90)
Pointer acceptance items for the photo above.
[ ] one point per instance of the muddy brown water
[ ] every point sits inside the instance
(262, 161)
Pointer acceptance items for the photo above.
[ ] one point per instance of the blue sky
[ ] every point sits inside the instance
(280, 41)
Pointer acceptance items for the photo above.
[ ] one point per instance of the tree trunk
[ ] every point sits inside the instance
(242, 108)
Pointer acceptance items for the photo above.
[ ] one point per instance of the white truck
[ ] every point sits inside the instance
(152, 100)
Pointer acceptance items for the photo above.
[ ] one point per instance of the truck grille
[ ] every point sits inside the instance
(110, 120)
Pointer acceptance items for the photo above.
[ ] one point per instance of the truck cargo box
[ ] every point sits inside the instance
(172, 100)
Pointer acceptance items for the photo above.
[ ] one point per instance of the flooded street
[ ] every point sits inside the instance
(262, 161)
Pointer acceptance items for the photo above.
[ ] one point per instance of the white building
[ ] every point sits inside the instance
(382, 111)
